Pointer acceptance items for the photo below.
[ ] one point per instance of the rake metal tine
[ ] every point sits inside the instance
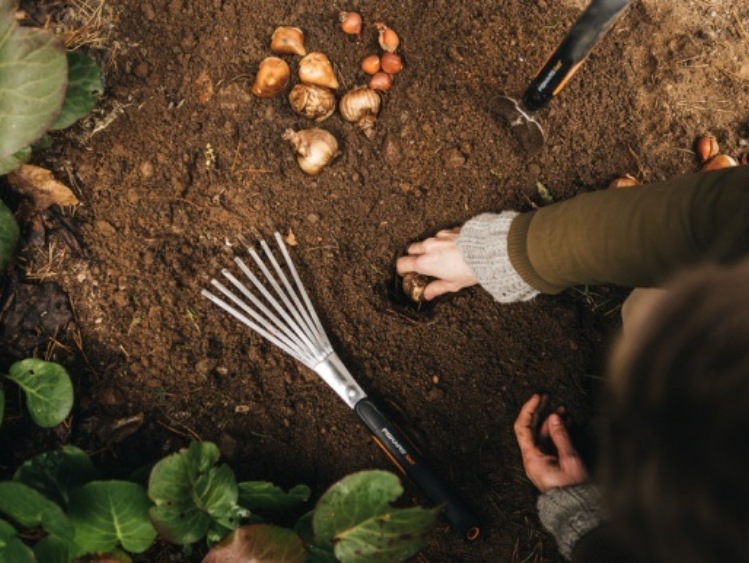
(244, 320)
(283, 327)
(289, 324)
(282, 295)
(322, 338)
(300, 350)
(303, 291)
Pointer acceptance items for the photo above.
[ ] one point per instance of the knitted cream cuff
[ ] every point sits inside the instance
(570, 513)
(483, 244)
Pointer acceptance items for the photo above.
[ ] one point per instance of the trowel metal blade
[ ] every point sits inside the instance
(524, 127)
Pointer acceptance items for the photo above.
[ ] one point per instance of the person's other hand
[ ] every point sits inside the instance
(438, 257)
(548, 471)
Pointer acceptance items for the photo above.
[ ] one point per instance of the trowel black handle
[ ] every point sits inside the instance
(596, 20)
(404, 455)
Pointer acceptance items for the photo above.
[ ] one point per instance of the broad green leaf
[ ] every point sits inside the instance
(262, 495)
(9, 234)
(53, 550)
(107, 514)
(190, 492)
(30, 509)
(12, 161)
(352, 500)
(56, 473)
(49, 391)
(33, 79)
(7, 533)
(259, 543)
(17, 552)
(394, 536)
(357, 516)
(84, 89)
(315, 553)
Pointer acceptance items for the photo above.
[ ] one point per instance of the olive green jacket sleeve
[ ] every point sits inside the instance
(636, 237)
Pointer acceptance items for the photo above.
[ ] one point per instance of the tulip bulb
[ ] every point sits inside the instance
(361, 106)
(718, 163)
(388, 39)
(313, 102)
(351, 23)
(626, 181)
(413, 285)
(371, 64)
(288, 41)
(707, 147)
(381, 81)
(314, 148)
(317, 69)
(391, 63)
(272, 77)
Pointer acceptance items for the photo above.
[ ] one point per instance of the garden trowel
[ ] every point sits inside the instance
(597, 18)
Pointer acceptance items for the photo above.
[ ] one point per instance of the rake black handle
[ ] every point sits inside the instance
(594, 22)
(404, 455)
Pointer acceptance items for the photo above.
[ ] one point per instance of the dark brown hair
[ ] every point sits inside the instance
(676, 460)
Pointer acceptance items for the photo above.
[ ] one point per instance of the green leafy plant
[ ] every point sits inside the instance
(44, 88)
(48, 390)
(354, 521)
(191, 497)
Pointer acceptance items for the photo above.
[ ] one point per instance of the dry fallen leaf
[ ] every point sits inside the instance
(41, 186)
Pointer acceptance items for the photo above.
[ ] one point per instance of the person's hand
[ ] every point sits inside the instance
(548, 471)
(438, 257)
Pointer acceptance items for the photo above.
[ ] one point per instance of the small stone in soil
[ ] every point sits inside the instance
(313, 218)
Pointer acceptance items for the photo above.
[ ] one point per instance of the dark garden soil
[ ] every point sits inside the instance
(156, 365)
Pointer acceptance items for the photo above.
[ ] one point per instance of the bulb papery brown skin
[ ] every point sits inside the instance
(707, 147)
(288, 41)
(271, 78)
(388, 38)
(371, 64)
(313, 102)
(317, 69)
(314, 148)
(626, 181)
(719, 162)
(361, 106)
(413, 285)
(351, 23)
(391, 63)
(381, 81)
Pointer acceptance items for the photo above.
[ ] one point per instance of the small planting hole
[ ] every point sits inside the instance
(395, 299)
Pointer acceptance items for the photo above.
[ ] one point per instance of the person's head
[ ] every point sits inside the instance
(677, 445)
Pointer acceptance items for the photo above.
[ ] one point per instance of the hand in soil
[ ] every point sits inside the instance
(438, 257)
(548, 471)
